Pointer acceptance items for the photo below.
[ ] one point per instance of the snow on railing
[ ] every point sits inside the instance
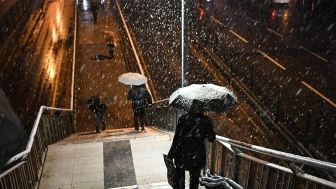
(32, 134)
(24, 169)
(226, 159)
(281, 155)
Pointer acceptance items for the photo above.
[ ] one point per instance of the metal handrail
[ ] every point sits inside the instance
(278, 154)
(23, 154)
(281, 155)
(24, 169)
(225, 159)
(12, 169)
(159, 101)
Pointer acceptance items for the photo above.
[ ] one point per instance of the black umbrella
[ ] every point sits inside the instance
(13, 138)
(204, 98)
(101, 98)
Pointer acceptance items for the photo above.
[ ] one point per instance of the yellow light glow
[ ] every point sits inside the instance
(285, 14)
(51, 72)
(58, 17)
(54, 35)
(49, 66)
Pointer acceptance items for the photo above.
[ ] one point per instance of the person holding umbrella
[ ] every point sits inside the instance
(140, 99)
(188, 146)
(139, 95)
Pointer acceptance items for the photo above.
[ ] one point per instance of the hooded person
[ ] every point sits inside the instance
(140, 99)
(188, 147)
(94, 10)
(98, 111)
(110, 43)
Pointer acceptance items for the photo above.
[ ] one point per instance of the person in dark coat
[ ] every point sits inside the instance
(140, 99)
(188, 147)
(98, 110)
(94, 10)
(109, 38)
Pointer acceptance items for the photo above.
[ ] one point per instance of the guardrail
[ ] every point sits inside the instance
(225, 158)
(24, 169)
(163, 116)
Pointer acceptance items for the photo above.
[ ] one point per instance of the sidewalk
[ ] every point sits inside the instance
(124, 160)
(94, 77)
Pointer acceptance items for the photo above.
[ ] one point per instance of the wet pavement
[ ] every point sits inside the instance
(36, 61)
(99, 77)
(117, 158)
(94, 77)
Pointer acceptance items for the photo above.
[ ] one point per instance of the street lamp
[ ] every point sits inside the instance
(184, 26)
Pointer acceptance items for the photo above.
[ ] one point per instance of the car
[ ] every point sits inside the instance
(280, 1)
(280, 9)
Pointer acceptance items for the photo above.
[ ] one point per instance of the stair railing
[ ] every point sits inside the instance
(24, 169)
(253, 166)
(162, 116)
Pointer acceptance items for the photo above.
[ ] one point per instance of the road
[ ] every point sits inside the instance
(35, 71)
(270, 49)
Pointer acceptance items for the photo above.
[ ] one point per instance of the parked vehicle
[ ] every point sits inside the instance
(280, 1)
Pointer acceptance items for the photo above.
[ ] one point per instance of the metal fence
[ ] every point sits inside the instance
(163, 116)
(225, 157)
(24, 169)
(258, 167)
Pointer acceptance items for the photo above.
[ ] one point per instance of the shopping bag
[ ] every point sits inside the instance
(171, 171)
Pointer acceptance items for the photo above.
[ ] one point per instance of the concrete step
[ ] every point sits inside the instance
(163, 185)
(126, 187)
(159, 185)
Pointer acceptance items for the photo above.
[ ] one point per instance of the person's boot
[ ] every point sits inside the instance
(136, 129)
(111, 53)
(143, 129)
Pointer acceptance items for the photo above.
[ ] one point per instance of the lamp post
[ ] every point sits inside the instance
(184, 26)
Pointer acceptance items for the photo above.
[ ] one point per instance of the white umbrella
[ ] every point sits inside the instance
(203, 97)
(132, 79)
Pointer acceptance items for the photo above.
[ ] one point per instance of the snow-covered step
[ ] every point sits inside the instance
(126, 187)
(159, 185)
(163, 185)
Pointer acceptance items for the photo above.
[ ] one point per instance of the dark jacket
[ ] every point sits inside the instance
(13, 137)
(97, 108)
(140, 97)
(188, 147)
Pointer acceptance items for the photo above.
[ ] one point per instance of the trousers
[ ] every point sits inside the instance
(100, 119)
(110, 47)
(139, 115)
(194, 178)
